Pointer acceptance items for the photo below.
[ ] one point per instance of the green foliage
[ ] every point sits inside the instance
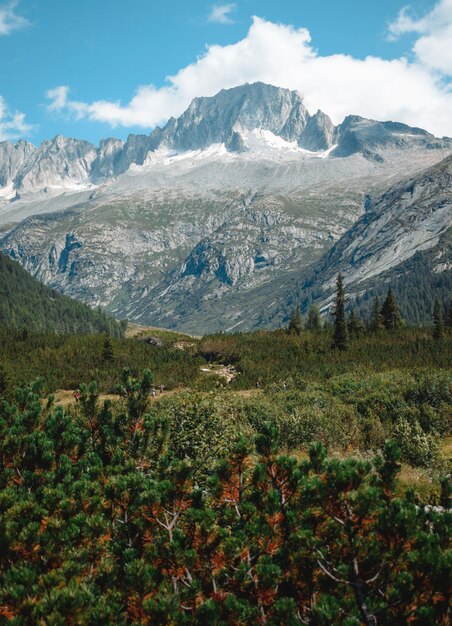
(296, 322)
(415, 285)
(314, 320)
(201, 428)
(438, 323)
(340, 323)
(108, 353)
(4, 380)
(347, 412)
(417, 447)
(101, 522)
(355, 327)
(390, 312)
(65, 361)
(274, 356)
(27, 304)
(376, 320)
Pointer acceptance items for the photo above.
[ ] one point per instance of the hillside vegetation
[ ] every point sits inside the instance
(275, 356)
(116, 515)
(27, 304)
(312, 488)
(66, 361)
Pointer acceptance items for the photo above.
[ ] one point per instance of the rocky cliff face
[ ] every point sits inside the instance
(214, 120)
(109, 156)
(357, 134)
(411, 218)
(61, 160)
(12, 158)
(196, 256)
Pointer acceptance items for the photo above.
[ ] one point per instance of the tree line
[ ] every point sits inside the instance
(383, 316)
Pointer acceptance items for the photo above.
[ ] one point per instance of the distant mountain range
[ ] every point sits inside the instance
(200, 224)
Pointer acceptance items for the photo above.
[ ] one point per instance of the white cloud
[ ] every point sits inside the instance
(220, 13)
(12, 123)
(433, 47)
(282, 55)
(9, 20)
(58, 97)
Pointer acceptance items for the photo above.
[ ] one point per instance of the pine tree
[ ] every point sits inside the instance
(296, 322)
(376, 320)
(390, 312)
(438, 324)
(314, 321)
(340, 322)
(107, 350)
(355, 326)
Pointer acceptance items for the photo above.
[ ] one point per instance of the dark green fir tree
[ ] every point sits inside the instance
(355, 326)
(390, 312)
(438, 323)
(448, 317)
(108, 353)
(314, 320)
(340, 322)
(296, 322)
(376, 320)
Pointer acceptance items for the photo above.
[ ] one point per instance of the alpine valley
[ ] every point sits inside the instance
(229, 214)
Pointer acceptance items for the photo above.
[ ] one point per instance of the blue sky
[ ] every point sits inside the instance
(95, 55)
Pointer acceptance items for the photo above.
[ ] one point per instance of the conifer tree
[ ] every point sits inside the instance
(355, 326)
(438, 324)
(340, 322)
(314, 321)
(107, 350)
(376, 320)
(296, 321)
(390, 312)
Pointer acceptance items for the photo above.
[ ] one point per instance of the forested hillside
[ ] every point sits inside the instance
(27, 304)
(417, 282)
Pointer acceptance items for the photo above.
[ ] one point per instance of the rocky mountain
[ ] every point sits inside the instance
(227, 119)
(210, 222)
(12, 158)
(404, 239)
(222, 119)
(60, 160)
(410, 217)
(369, 137)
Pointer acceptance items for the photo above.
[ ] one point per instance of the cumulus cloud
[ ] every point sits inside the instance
(10, 20)
(433, 47)
(12, 123)
(282, 55)
(221, 13)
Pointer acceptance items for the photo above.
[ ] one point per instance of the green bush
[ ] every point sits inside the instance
(201, 428)
(417, 447)
(433, 389)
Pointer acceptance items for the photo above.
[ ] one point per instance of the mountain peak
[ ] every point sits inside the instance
(215, 119)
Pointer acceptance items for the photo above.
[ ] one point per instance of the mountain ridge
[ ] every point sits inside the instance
(219, 119)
